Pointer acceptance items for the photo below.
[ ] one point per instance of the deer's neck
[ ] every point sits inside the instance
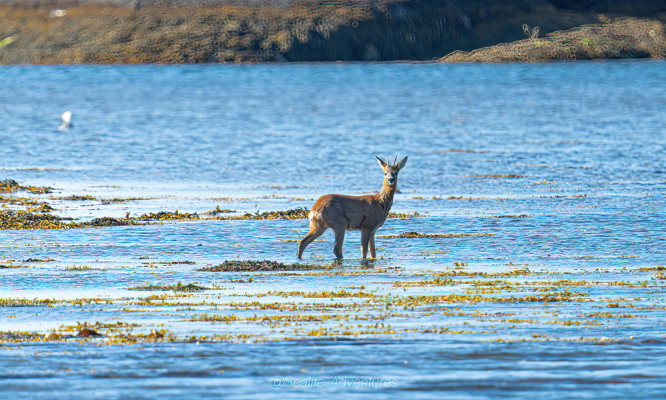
(385, 196)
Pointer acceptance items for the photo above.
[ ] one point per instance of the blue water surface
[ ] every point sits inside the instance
(558, 168)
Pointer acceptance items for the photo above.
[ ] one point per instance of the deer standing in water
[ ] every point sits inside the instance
(365, 213)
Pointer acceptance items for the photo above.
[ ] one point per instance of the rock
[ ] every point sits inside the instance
(85, 332)
(52, 336)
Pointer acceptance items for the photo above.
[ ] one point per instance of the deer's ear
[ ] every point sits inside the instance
(382, 163)
(402, 163)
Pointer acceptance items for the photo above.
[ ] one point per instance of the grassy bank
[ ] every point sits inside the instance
(152, 31)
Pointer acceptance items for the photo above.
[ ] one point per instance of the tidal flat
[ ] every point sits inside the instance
(525, 253)
(161, 289)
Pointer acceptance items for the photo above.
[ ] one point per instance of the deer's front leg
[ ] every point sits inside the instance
(373, 253)
(366, 236)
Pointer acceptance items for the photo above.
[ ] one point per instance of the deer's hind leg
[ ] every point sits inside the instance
(366, 239)
(339, 240)
(317, 228)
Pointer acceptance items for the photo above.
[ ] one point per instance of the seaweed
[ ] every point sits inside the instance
(498, 176)
(265, 265)
(179, 287)
(18, 219)
(412, 235)
(107, 221)
(86, 333)
(297, 213)
(76, 198)
(11, 186)
(165, 216)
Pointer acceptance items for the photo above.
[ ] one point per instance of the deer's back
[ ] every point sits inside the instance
(354, 212)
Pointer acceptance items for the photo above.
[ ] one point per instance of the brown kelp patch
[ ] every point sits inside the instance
(76, 198)
(87, 332)
(405, 215)
(178, 287)
(82, 268)
(116, 200)
(511, 216)
(415, 235)
(217, 211)
(11, 266)
(165, 216)
(18, 219)
(296, 213)
(458, 300)
(497, 176)
(265, 265)
(8, 302)
(11, 186)
(23, 201)
(105, 221)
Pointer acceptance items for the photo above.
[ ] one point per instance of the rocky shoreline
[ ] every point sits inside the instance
(178, 31)
(620, 38)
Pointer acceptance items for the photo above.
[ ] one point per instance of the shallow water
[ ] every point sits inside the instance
(548, 180)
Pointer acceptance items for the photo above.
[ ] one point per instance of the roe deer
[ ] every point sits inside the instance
(367, 213)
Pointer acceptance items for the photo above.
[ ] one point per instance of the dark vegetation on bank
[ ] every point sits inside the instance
(188, 31)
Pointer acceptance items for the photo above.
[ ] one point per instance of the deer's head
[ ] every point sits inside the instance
(391, 171)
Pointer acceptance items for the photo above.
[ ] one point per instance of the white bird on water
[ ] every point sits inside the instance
(66, 121)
